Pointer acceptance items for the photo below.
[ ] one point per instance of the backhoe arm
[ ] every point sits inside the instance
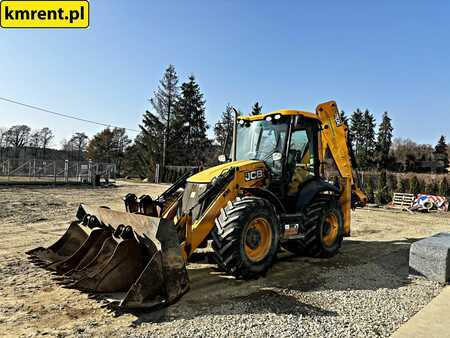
(335, 141)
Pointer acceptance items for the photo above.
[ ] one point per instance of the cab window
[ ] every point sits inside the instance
(300, 158)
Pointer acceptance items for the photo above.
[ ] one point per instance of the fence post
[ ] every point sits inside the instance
(8, 167)
(94, 174)
(108, 173)
(77, 177)
(157, 173)
(54, 170)
(90, 171)
(66, 171)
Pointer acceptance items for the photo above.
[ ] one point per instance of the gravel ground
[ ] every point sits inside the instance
(363, 291)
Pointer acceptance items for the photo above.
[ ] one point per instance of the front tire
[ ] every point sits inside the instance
(324, 232)
(246, 237)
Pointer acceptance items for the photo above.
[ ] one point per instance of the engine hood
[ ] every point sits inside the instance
(207, 175)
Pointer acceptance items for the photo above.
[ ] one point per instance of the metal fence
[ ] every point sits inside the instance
(20, 171)
(172, 172)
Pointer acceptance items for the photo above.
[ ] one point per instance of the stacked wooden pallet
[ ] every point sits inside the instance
(402, 201)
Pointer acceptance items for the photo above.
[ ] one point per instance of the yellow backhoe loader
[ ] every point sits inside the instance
(287, 183)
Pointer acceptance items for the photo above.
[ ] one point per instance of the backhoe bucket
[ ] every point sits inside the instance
(131, 260)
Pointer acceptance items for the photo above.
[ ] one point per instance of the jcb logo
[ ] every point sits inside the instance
(253, 175)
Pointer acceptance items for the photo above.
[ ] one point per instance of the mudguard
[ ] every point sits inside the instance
(310, 189)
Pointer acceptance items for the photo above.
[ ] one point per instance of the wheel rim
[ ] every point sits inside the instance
(330, 230)
(257, 239)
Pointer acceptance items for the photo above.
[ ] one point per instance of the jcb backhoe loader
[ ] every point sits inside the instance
(270, 193)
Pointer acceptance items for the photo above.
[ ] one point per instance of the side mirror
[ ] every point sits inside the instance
(277, 156)
(222, 158)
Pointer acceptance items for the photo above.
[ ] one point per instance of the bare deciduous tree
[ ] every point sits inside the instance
(79, 143)
(18, 137)
(4, 142)
(46, 136)
(35, 142)
(109, 146)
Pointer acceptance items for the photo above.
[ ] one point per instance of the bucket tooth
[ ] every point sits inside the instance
(96, 264)
(119, 272)
(148, 285)
(87, 251)
(67, 282)
(69, 285)
(93, 250)
(41, 264)
(66, 246)
(34, 259)
(147, 206)
(164, 278)
(131, 203)
(61, 279)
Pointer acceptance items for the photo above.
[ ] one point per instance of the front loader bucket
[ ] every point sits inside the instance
(131, 260)
(72, 239)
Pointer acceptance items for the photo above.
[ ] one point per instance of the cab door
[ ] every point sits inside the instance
(302, 158)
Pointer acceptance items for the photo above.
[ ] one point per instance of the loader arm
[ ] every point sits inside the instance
(335, 140)
(220, 192)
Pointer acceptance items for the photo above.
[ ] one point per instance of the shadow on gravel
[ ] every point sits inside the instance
(260, 302)
(360, 265)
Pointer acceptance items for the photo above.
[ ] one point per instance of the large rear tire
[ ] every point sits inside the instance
(324, 230)
(246, 237)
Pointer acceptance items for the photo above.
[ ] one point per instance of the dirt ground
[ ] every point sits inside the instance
(365, 290)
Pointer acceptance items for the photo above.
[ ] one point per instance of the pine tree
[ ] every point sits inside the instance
(428, 187)
(368, 147)
(403, 185)
(441, 153)
(444, 187)
(414, 185)
(156, 129)
(362, 134)
(163, 102)
(392, 184)
(223, 128)
(434, 187)
(190, 124)
(357, 135)
(149, 143)
(256, 109)
(370, 191)
(384, 141)
(380, 194)
(344, 118)
(441, 146)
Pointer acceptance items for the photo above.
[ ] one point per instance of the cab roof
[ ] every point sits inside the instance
(283, 112)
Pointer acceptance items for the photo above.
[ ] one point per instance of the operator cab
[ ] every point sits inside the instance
(287, 143)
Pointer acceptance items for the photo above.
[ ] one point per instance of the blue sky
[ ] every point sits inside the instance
(380, 55)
